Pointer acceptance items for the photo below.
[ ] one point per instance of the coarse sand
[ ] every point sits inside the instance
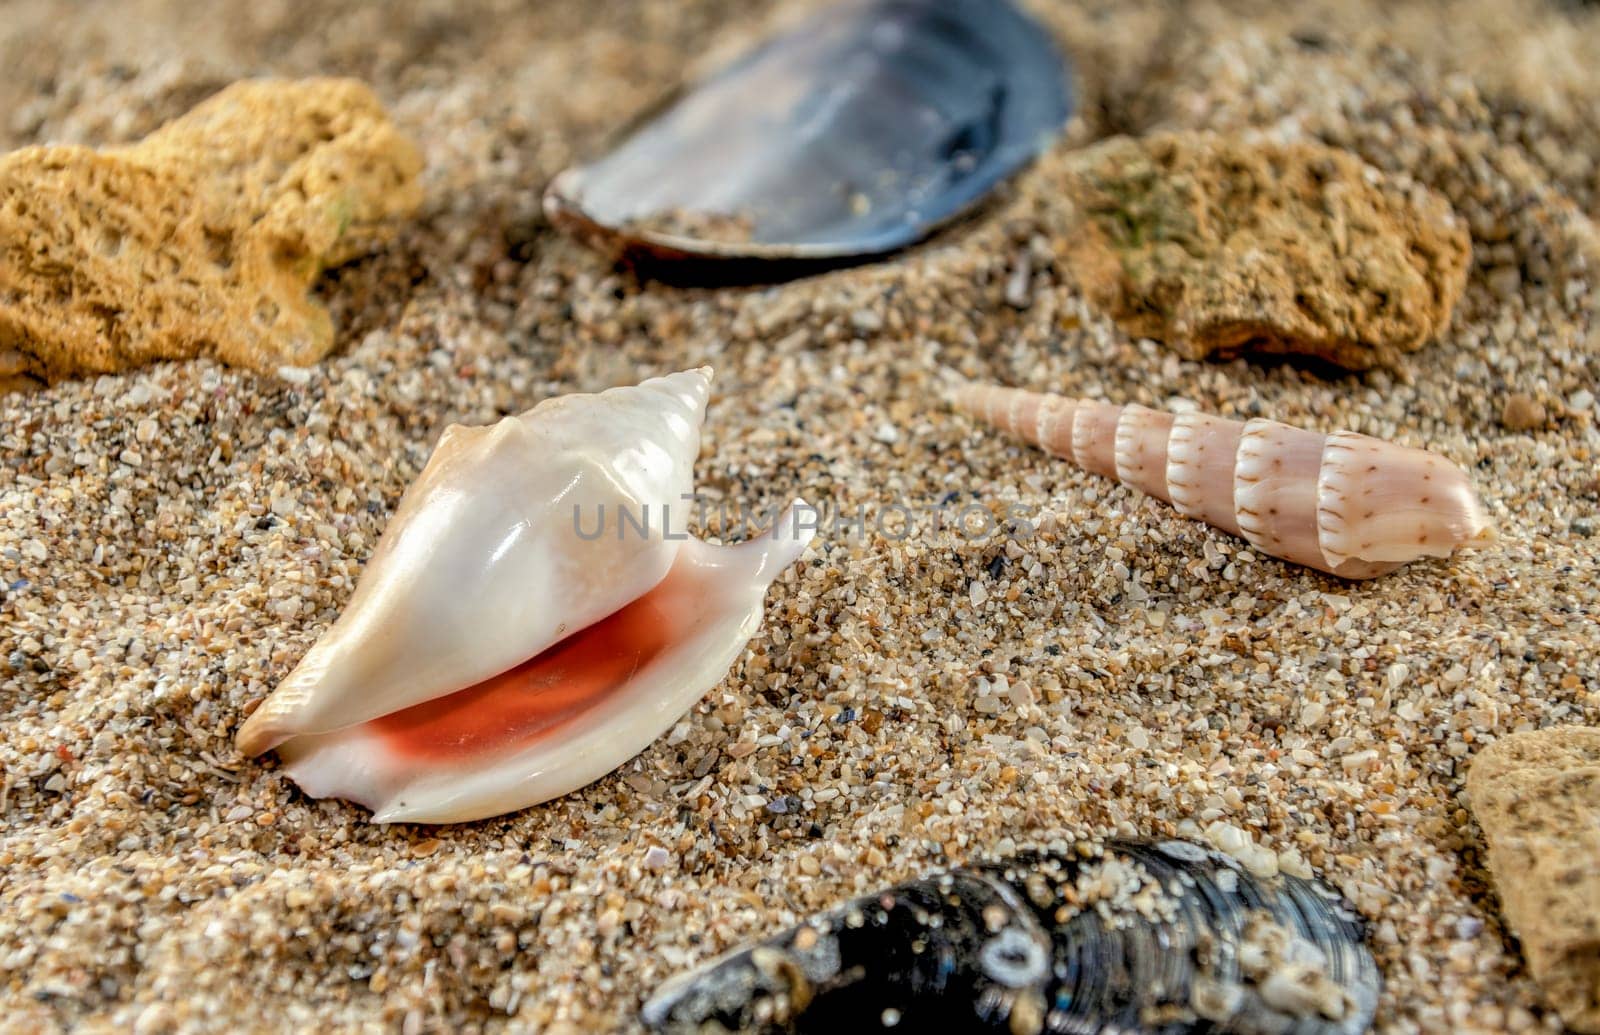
(172, 540)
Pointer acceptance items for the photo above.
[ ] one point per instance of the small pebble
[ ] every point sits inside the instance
(1522, 413)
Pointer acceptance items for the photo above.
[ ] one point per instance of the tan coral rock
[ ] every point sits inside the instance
(201, 240)
(1537, 797)
(1220, 246)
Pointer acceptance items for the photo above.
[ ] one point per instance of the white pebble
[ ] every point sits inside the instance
(1290, 861)
(1227, 838)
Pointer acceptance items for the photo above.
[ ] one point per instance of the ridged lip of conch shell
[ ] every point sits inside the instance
(491, 527)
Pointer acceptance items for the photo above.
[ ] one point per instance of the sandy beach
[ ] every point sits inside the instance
(173, 539)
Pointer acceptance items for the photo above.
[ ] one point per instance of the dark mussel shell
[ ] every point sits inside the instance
(854, 134)
(1141, 936)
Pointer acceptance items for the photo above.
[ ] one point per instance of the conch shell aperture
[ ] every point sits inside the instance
(532, 617)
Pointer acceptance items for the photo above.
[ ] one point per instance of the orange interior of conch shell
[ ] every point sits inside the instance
(543, 693)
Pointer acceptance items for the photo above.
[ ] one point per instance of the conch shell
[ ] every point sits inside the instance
(531, 618)
(1344, 503)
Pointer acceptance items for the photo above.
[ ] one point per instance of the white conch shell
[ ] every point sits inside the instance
(522, 567)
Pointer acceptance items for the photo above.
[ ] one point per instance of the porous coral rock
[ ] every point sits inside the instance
(1537, 797)
(202, 239)
(1218, 245)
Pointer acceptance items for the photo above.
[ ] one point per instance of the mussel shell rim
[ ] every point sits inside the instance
(568, 214)
(688, 261)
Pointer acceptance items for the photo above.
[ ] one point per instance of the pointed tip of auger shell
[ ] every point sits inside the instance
(952, 387)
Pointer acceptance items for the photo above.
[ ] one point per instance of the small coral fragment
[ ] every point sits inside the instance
(201, 240)
(1219, 246)
(1537, 796)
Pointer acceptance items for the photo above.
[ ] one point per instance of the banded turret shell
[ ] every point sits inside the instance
(1141, 936)
(531, 618)
(1344, 503)
(852, 134)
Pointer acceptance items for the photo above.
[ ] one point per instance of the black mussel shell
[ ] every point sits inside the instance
(1140, 936)
(854, 134)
